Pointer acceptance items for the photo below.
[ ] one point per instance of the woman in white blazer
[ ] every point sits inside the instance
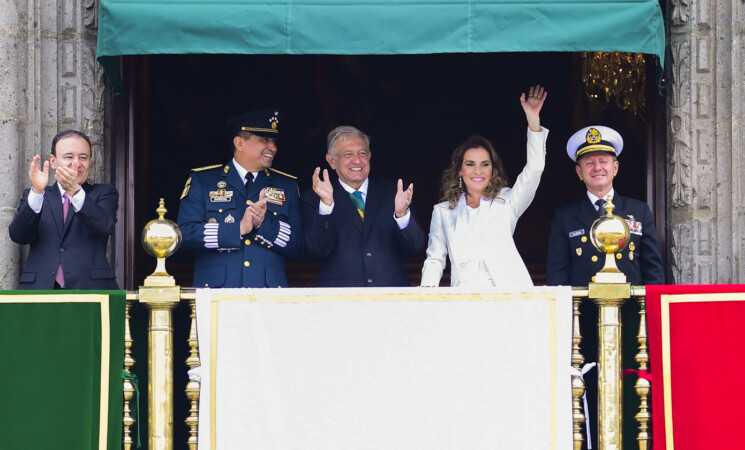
(475, 222)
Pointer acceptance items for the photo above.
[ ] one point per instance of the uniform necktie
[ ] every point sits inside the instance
(60, 276)
(249, 182)
(601, 207)
(356, 197)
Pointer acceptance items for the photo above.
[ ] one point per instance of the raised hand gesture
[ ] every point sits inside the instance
(403, 198)
(532, 106)
(322, 186)
(39, 178)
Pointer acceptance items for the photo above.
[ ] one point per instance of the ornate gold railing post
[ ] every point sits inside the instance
(642, 385)
(192, 387)
(160, 295)
(609, 291)
(578, 384)
(129, 389)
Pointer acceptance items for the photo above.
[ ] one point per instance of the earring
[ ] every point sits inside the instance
(460, 183)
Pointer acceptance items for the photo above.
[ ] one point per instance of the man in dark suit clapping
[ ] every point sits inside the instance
(359, 227)
(68, 223)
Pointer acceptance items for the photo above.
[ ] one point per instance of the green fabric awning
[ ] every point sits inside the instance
(362, 27)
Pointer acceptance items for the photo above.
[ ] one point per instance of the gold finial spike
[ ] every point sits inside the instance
(192, 387)
(609, 206)
(161, 210)
(642, 385)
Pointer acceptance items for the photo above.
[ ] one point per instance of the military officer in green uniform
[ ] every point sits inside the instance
(242, 219)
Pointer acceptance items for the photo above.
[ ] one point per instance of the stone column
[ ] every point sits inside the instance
(49, 81)
(12, 70)
(706, 141)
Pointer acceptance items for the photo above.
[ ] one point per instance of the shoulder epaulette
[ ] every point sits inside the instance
(282, 173)
(199, 169)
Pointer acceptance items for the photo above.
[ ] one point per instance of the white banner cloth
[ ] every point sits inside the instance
(382, 368)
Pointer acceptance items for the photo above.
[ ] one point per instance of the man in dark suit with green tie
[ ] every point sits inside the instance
(359, 227)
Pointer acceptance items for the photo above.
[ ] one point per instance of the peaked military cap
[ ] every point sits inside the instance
(595, 138)
(261, 122)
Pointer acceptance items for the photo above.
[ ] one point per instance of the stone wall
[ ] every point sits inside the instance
(49, 81)
(706, 141)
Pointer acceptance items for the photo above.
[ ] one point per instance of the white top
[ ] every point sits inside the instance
(479, 240)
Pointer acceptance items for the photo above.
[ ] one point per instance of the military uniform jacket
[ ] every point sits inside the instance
(573, 260)
(78, 243)
(212, 205)
(354, 252)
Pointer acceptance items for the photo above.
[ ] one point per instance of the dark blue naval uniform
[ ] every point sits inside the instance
(212, 206)
(573, 260)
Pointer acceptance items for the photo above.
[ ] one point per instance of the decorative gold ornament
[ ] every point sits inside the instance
(193, 386)
(610, 234)
(129, 389)
(578, 384)
(161, 238)
(617, 77)
(642, 385)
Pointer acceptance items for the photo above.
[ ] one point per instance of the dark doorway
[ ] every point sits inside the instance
(416, 108)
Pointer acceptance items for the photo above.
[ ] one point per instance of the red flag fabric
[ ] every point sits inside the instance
(696, 341)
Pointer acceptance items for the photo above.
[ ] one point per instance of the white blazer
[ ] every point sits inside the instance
(493, 229)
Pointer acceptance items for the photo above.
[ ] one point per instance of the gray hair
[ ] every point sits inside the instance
(341, 133)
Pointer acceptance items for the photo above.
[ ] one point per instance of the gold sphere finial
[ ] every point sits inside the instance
(161, 238)
(610, 234)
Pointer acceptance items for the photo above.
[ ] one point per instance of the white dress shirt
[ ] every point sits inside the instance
(325, 210)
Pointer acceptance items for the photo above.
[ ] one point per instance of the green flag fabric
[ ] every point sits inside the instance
(61, 358)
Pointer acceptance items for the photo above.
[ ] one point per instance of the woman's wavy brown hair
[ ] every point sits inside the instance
(450, 185)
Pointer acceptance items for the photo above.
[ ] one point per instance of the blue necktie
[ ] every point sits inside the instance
(356, 197)
(601, 207)
(249, 182)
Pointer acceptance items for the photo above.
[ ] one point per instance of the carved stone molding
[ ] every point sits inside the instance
(680, 12)
(49, 81)
(705, 139)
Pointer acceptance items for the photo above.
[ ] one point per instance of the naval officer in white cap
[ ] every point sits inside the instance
(573, 260)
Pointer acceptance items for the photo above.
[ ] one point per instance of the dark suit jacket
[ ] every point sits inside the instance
(354, 252)
(216, 195)
(79, 243)
(570, 252)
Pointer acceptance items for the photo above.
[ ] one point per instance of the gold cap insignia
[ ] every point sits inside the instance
(593, 136)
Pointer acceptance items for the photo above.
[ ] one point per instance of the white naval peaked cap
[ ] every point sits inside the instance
(595, 138)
